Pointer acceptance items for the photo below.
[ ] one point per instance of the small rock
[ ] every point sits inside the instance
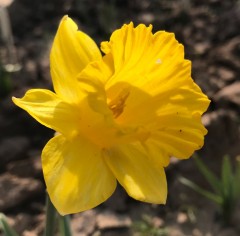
(226, 74)
(157, 222)
(109, 219)
(14, 191)
(182, 218)
(146, 17)
(231, 93)
(202, 47)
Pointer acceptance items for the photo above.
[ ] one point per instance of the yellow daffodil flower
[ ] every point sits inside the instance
(118, 117)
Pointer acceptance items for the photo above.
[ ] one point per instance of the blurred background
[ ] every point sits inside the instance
(210, 32)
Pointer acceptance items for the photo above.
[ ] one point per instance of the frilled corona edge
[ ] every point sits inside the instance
(118, 117)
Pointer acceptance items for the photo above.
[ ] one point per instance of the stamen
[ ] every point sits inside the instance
(117, 104)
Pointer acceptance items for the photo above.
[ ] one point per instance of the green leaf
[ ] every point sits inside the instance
(213, 197)
(64, 225)
(236, 181)
(209, 176)
(227, 178)
(51, 214)
(51, 217)
(8, 231)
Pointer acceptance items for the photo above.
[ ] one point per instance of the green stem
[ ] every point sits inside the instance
(50, 218)
(64, 225)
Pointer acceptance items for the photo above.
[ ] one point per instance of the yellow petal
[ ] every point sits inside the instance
(151, 86)
(185, 100)
(128, 45)
(158, 155)
(143, 59)
(141, 178)
(153, 70)
(100, 70)
(48, 109)
(76, 176)
(71, 52)
(179, 135)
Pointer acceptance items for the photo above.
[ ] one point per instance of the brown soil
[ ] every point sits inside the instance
(209, 30)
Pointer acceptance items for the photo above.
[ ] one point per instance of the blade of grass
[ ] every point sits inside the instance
(214, 197)
(209, 176)
(227, 178)
(237, 181)
(7, 230)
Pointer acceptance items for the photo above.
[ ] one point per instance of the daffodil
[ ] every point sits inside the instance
(118, 117)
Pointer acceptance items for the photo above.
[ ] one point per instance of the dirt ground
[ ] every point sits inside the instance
(210, 32)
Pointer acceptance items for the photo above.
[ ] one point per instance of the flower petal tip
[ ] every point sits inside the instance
(66, 17)
(14, 99)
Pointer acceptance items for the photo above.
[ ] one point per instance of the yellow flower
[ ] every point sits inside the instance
(118, 117)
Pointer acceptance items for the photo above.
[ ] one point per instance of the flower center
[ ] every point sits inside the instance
(118, 103)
